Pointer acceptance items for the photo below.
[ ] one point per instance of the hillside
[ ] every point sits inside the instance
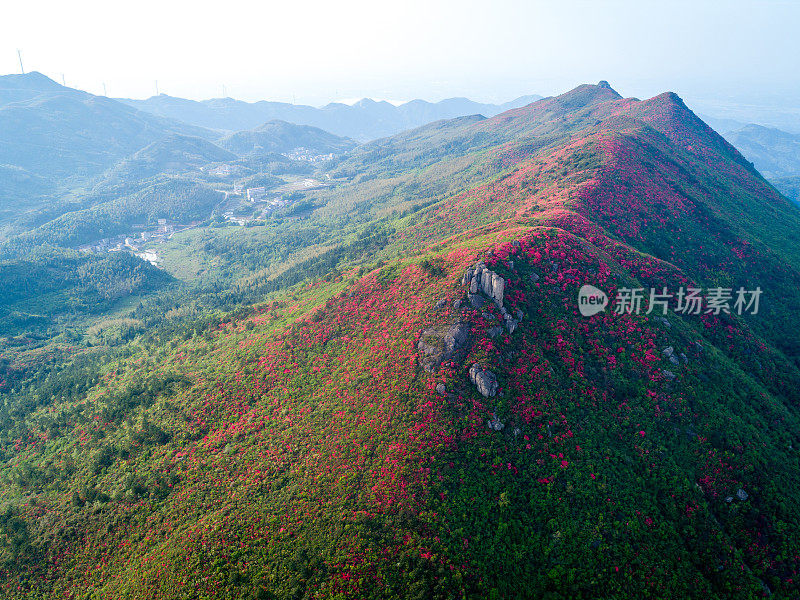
(54, 140)
(364, 120)
(788, 186)
(20, 88)
(61, 132)
(173, 154)
(281, 137)
(428, 415)
(775, 153)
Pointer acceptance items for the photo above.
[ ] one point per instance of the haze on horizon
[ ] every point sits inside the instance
(741, 51)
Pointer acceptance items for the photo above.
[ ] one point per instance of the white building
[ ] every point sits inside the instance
(256, 194)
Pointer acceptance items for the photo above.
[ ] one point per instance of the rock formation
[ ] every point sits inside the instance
(484, 380)
(480, 279)
(443, 343)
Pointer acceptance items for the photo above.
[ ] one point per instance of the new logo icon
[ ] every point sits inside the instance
(591, 300)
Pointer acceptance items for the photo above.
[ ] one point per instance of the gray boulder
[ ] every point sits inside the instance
(443, 343)
(511, 323)
(476, 301)
(484, 380)
(493, 332)
(495, 424)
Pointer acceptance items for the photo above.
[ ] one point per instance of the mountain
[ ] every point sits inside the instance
(59, 132)
(364, 120)
(173, 154)
(775, 153)
(788, 186)
(410, 403)
(722, 125)
(281, 137)
(21, 88)
(54, 140)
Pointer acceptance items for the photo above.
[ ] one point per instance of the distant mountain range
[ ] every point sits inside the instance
(55, 131)
(57, 142)
(365, 120)
(54, 139)
(774, 152)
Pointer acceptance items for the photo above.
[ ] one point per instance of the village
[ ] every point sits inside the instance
(133, 243)
(240, 206)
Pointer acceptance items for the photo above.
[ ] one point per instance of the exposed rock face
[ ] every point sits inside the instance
(663, 321)
(485, 381)
(443, 344)
(495, 423)
(481, 279)
(485, 281)
(476, 301)
(456, 337)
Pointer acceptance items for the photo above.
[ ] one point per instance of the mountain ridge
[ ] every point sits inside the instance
(431, 416)
(366, 119)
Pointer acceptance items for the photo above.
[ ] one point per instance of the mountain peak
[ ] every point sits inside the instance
(585, 95)
(33, 80)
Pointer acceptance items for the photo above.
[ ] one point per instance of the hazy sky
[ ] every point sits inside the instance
(315, 52)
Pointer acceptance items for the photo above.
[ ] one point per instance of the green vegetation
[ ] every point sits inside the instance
(254, 420)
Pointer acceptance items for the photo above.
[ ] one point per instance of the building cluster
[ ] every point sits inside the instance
(256, 194)
(130, 242)
(307, 155)
(223, 170)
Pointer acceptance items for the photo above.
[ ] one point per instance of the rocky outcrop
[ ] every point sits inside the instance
(669, 352)
(443, 344)
(481, 280)
(495, 423)
(484, 380)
